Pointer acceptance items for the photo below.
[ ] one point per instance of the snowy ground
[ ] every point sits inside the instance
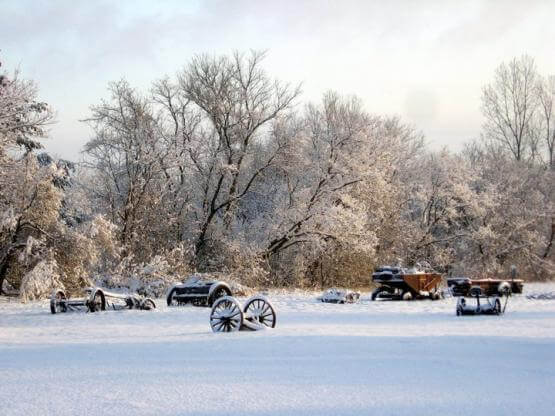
(379, 358)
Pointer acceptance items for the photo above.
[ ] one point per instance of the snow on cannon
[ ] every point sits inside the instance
(397, 283)
(97, 299)
(479, 303)
(227, 315)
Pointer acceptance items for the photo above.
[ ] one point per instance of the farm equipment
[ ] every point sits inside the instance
(97, 299)
(335, 295)
(227, 315)
(197, 290)
(461, 286)
(397, 283)
(478, 303)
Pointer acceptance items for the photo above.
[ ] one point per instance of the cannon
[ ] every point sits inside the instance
(97, 299)
(479, 303)
(227, 315)
(198, 290)
(397, 283)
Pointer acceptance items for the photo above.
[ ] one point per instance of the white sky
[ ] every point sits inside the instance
(425, 61)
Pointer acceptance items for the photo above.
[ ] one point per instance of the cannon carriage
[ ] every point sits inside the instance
(198, 290)
(228, 315)
(96, 300)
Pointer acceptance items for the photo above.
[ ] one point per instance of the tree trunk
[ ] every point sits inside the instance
(551, 238)
(5, 260)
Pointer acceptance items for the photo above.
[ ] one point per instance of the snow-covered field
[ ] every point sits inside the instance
(378, 358)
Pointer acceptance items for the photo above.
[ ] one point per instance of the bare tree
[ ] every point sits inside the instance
(509, 104)
(127, 155)
(239, 103)
(546, 116)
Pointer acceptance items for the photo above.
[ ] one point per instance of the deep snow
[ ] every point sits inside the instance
(379, 358)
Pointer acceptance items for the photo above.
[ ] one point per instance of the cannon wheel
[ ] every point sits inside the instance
(220, 292)
(226, 315)
(261, 311)
(56, 305)
(98, 302)
(148, 305)
(169, 299)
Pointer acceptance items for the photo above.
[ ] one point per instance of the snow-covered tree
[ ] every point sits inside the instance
(240, 105)
(512, 221)
(26, 199)
(128, 159)
(23, 118)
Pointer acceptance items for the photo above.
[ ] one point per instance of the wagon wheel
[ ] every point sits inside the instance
(261, 311)
(407, 295)
(436, 294)
(98, 302)
(171, 301)
(226, 315)
(148, 305)
(220, 292)
(57, 304)
(497, 307)
(377, 292)
(504, 289)
(353, 297)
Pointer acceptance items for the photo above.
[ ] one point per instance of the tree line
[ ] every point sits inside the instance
(223, 168)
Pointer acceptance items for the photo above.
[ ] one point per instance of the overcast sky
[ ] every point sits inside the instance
(424, 61)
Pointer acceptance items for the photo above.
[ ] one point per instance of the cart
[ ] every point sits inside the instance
(397, 283)
(461, 286)
(97, 299)
(227, 315)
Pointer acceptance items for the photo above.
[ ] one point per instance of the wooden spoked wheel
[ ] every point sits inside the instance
(497, 307)
(98, 302)
(259, 310)
(57, 302)
(218, 293)
(226, 315)
(148, 305)
(170, 299)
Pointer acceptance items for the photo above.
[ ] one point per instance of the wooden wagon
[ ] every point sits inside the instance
(461, 286)
(397, 283)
